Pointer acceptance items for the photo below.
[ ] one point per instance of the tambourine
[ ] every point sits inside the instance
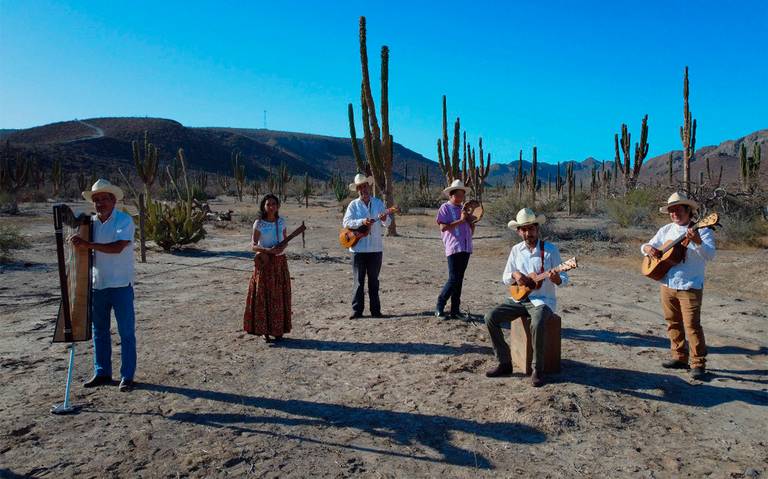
(474, 208)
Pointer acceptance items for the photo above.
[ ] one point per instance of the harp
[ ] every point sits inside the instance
(73, 321)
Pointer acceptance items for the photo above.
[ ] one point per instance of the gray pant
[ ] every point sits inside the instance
(366, 264)
(507, 312)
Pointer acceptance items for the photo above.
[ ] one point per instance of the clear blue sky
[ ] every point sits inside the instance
(559, 75)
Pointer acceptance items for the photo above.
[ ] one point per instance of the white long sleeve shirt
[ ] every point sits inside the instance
(688, 274)
(523, 260)
(356, 214)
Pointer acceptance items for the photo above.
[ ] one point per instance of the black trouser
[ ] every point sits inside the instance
(508, 311)
(457, 265)
(366, 264)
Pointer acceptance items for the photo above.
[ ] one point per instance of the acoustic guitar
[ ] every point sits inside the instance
(519, 292)
(261, 257)
(349, 237)
(673, 251)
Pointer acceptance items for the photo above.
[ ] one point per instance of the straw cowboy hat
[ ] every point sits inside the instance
(360, 179)
(526, 217)
(678, 198)
(455, 185)
(103, 186)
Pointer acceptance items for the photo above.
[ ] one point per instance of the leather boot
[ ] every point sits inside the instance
(503, 369)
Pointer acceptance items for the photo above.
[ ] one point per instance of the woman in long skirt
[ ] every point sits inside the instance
(268, 305)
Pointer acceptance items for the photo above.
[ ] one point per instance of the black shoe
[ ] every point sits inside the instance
(97, 381)
(458, 315)
(356, 315)
(377, 314)
(537, 378)
(126, 385)
(698, 373)
(675, 364)
(439, 313)
(500, 370)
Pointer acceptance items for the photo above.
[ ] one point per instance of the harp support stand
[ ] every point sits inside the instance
(66, 407)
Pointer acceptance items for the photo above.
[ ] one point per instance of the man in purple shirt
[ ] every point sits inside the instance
(457, 228)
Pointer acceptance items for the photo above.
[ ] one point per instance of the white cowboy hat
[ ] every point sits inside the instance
(525, 217)
(359, 180)
(678, 198)
(103, 186)
(455, 185)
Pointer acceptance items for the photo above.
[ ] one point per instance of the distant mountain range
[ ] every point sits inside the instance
(105, 143)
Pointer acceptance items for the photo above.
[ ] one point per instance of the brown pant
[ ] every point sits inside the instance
(682, 310)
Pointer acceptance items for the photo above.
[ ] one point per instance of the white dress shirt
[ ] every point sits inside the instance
(113, 270)
(688, 274)
(356, 214)
(271, 232)
(526, 261)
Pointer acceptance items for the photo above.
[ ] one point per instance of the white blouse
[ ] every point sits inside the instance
(272, 232)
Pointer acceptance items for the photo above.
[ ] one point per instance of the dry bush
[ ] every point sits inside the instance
(636, 207)
(10, 239)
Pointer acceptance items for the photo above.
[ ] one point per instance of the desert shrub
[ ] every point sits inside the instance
(8, 204)
(549, 206)
(10, 239)
(744, 228)
(407, 198)
(638, 206)
(174, 225)
(500, 211)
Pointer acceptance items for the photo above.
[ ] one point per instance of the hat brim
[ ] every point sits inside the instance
(353, 186)
(540, 220)
(447, 191)
(694, 206)
(88, 195)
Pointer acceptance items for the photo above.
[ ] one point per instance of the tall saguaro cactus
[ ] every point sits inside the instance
(377, 141)
(749, 167)
(687, 136)
(631, 173)
(534, 168)
(238, 172)
(146, 164)
(449, 163)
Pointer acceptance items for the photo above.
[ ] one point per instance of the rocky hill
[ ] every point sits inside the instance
(105, 143)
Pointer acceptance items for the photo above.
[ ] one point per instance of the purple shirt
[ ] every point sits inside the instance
(458, 239)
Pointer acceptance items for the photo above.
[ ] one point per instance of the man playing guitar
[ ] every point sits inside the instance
(681, 287)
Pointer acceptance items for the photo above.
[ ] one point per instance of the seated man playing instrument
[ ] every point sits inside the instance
(682, 286)
(529, 257)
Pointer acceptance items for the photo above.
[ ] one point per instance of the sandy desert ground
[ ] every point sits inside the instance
(402, 396)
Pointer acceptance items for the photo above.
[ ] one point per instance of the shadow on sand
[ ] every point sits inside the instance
(402, 428)
(399, 348)
(672, 388)
(630, 339)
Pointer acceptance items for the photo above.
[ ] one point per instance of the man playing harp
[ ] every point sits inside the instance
(112, 279)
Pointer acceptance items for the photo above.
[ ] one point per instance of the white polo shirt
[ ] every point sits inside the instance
(113, 270)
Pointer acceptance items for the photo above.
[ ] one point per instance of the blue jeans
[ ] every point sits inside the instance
(457, 265)
(103, 301)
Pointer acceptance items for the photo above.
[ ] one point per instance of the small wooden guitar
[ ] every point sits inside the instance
(261, 257)
(349, 237)
(673, 251)
(519, 292)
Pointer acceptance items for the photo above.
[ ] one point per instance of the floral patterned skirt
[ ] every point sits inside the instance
(268, 305)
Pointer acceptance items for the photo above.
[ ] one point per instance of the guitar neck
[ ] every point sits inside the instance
(680, 238)
(288, 238)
